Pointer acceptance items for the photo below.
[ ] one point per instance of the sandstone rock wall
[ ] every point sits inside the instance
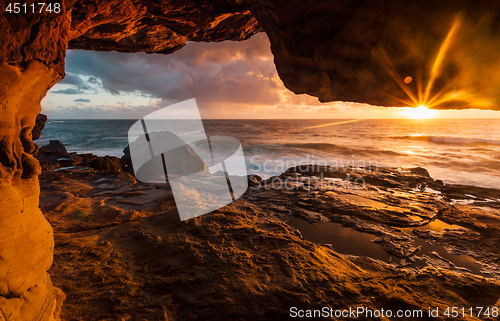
(26, 245)
(32, 50)
(40, 121)
(32, 60)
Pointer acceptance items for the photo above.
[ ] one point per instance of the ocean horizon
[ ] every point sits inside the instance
(456, 151)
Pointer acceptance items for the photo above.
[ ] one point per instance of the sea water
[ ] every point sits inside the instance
(455, 151)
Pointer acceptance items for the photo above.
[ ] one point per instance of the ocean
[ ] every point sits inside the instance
(455, 151)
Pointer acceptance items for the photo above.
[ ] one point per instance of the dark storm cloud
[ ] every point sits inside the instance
(227, 72)
(82, 100)
(75, 81)
(71, 79)
(68, 91)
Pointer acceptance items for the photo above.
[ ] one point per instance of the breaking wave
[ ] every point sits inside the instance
(453, 140)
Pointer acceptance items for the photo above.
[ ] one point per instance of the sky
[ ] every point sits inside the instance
(229, 80)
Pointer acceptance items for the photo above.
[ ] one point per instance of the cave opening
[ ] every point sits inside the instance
(112, 236)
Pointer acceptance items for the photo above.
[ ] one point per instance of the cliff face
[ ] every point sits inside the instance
(32, 61)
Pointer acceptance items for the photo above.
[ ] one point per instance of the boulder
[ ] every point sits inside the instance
(183, 160)
(254, 180)
(420, 171)
(106, 163)
(126, 161)
(54, 147)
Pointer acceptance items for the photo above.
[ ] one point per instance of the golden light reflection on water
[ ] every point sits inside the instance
(319, 126)
(440, 226)
(331, 124)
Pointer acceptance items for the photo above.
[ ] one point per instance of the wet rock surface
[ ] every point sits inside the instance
(53, 147)
(409, 213)
(106, 163)
(122, 251)
(55, 156)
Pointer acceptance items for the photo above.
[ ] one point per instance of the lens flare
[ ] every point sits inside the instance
(438, 62)
(421, 95)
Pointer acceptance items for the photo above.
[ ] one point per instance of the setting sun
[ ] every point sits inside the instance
(420, 112)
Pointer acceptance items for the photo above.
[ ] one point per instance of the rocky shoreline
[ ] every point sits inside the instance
(121, 251)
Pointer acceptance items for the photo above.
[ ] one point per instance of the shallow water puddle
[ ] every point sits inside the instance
(368, 202)
(348, 241)
(64, 168)
(461, 260)
(436, 226)
(462, 201)
(427, 190)
(343, 240)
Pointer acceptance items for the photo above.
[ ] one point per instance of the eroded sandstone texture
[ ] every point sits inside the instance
(157, 26)
(32, 50)
(123, 254)
(26, 242)
(350, 50)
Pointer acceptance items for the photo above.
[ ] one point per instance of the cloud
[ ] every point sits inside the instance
(68, 91)
(111, 111)
(227, 72)
(75, 81)
(82, 100)
(228, 79)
